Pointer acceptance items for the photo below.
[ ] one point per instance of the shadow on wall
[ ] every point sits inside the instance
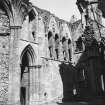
(68, 75)
(85, 77)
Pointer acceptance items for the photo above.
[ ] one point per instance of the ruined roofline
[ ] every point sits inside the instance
(76, 22)
(41, 11)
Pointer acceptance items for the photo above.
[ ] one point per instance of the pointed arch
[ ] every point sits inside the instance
(27, 61)
(31, 15)
(30, 54)
(53, 25)
(65, 31)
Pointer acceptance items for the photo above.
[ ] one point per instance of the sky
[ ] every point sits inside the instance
(63, 9)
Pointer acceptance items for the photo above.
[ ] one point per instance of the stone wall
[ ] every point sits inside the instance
(4, 56)
(4, 59)
(32, 30)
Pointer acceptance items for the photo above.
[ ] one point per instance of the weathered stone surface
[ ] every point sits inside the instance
(4, 59)
(33, 24)
(4, 24)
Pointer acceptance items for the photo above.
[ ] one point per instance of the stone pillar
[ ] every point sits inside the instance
(34, 85)
(31, 86)
(14, 67)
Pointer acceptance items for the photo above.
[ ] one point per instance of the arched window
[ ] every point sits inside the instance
(65, 48)
(50, 43)
(69, 48)
(79, 45)
(57, 45)
(49, 35)
(31, 15)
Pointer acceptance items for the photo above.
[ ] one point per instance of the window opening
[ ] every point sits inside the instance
(57, 46)
(50, 43)
(65, 48)
(69, 48)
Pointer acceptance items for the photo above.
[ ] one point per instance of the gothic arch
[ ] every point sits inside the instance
(31, 54)
(65, 31)
(32, 15)
(53, 25)
(27, 61)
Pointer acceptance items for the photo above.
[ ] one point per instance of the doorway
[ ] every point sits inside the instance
(26, 61)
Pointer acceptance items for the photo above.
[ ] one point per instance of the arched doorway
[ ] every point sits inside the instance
(27, 60)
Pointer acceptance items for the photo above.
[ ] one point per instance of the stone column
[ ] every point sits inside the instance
(34, 85)
(14, 67)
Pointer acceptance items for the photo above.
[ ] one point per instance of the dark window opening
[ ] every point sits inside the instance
(25, 78)
(57, 45)
(50, 43)
(56, 37)
(79, 45)
(65, 48)
(49, 35)
(25, 63)
(34, 35)
(63, 39)
(31, 15)
(69, 48)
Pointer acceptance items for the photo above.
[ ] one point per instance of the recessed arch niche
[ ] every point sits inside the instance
(27, 60)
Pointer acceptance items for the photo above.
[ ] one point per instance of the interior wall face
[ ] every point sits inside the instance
(45, 81)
